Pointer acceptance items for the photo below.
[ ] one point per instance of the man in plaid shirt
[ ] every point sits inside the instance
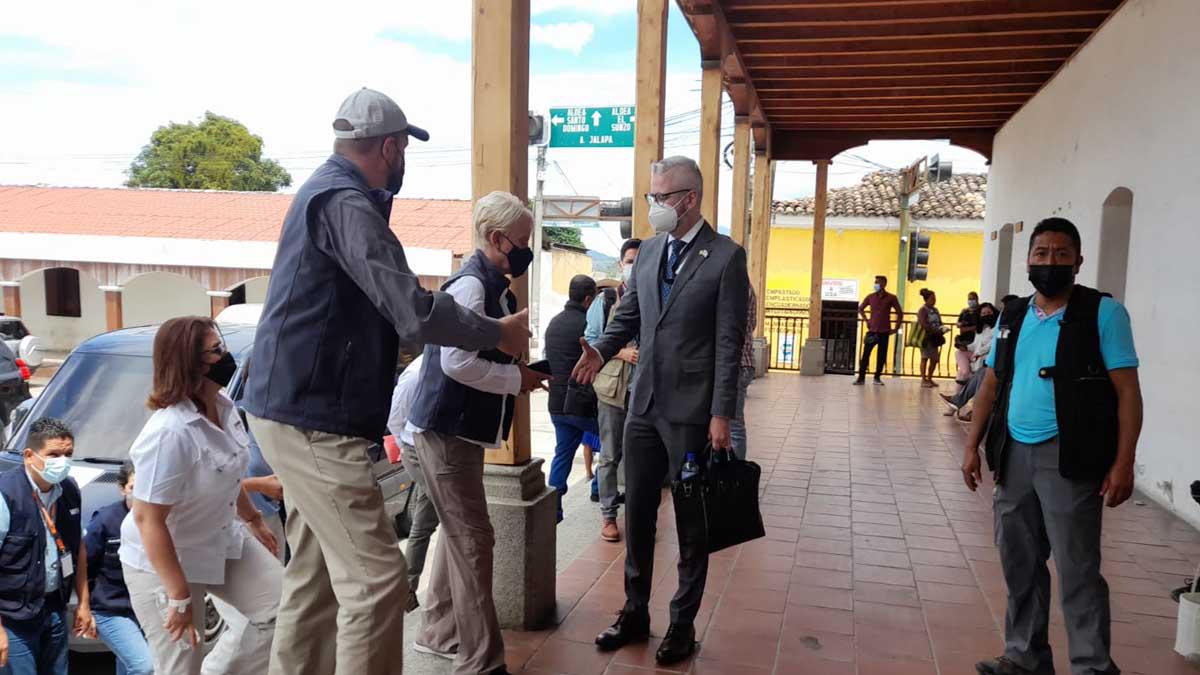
(737, 426)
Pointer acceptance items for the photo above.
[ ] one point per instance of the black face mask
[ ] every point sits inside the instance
(395, 179)
(519, 260)
(989, 321)
(1051, 280)
(222, 371)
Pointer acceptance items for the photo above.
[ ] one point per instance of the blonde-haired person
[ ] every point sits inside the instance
(183, 539)
(464, 403)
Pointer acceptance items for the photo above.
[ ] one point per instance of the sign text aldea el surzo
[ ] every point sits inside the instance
(609, 127)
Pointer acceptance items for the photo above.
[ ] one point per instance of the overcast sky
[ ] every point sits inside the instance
(84, 84)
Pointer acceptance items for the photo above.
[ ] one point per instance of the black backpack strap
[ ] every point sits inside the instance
(610, 299)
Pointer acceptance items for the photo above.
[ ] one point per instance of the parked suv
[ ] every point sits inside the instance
(23, 345)
(14, 385)
(100, 391)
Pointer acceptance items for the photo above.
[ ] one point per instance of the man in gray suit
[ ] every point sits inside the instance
(686, 302)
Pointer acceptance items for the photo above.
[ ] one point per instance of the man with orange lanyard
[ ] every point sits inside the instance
(41, 553)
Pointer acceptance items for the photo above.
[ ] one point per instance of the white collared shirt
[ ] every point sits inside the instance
(402, 400)
(185, 461)
(686, 239)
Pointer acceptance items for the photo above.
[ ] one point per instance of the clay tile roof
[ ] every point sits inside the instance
(964, 196)
(211, 215)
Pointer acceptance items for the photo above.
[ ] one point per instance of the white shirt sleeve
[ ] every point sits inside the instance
(466, 367)
(402, 397)
(163, 461)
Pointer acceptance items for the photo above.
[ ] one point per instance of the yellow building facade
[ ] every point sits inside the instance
(857, 255)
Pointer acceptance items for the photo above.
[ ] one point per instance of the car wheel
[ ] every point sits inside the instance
(214, 624)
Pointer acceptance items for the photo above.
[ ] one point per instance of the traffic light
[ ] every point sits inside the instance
(622, 211)
(939, 170)
(537, 129)
(918, 257)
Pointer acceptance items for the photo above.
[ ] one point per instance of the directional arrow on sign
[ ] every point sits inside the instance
(596, 118)
(557, 120)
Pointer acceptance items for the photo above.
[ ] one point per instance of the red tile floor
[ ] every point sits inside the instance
(877, 560)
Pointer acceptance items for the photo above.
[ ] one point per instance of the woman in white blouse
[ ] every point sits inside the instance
(183, 538)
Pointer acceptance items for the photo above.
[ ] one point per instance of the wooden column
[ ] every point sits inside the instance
(818, 249)
(760, 230)
(648, 125)
(710, 138)
(218, 300)
(113, 309)
(741, 180)
(12, 297)
(500, 144)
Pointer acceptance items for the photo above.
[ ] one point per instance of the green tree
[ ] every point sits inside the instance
(219, 153)
(567, 236)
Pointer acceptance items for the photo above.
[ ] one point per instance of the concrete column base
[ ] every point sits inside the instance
(522, 509)
(812, 357)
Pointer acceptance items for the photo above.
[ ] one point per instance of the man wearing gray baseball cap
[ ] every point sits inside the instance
(341, 301)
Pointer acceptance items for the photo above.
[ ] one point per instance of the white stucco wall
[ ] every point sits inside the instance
(256, 290)
(155, 297)
(60, 333)
(1125, 112)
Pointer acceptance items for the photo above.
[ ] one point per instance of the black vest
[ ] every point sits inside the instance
(324, 355)
(23, 552)
(1084, 397)
(109, 593)
(449, 407)
(563, 351)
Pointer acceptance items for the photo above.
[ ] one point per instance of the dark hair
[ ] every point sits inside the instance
(630, 245)
(47, 429)
(882, 279)
(988, 305)
(925, 293)
(177, 348)
(974, 294)
(582, 287)
(125, 473)
(1009, 298)
(1061, 226)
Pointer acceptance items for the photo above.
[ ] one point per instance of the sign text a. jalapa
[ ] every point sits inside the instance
(606, 127)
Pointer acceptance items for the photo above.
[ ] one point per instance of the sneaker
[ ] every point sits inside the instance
(423, 649)
(610, 531)
(949, 401)
(412, 604)
(596, 497)
(859, 383)
(878, 382)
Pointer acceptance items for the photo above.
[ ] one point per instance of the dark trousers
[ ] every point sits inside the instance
(655, 449)
(880, 341)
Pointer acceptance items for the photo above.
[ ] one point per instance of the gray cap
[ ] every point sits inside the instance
(367, 113)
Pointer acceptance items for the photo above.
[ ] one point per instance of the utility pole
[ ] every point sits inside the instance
(535, 270)
(902, 264)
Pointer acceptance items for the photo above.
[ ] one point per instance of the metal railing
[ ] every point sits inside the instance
(786, 329)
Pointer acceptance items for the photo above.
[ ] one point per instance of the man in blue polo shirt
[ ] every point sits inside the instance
(1063, 395)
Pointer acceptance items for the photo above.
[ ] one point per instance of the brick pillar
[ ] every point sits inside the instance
(113, 309)
(219, 301)
(12, 297)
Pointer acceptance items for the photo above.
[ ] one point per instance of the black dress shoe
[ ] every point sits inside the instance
(678, 645)
(630, 627)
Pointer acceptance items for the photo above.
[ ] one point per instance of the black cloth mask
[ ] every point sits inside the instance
(222, 371)
(1051, 280)
(519, 260)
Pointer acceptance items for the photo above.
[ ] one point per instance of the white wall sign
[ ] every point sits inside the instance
(839, 289)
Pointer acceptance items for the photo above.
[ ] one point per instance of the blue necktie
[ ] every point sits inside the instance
(668, 279)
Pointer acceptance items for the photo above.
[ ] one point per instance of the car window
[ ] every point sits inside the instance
(102, 398)
(12, 330)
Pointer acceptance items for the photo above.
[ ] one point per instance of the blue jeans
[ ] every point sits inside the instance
(37, 649)
(568, 432)
(737, 425)
(124, 637)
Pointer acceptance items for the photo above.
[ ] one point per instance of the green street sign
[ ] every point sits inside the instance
(608, 127)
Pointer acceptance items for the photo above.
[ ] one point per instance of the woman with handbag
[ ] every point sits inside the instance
(930, 320)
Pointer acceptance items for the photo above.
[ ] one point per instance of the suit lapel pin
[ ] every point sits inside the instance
(703, 253)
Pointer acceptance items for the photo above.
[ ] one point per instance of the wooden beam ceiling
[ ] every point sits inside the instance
(851, 70)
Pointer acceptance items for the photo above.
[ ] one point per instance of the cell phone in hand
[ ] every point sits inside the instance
(542, 366)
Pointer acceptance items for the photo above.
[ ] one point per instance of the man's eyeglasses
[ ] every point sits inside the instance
(660, 198)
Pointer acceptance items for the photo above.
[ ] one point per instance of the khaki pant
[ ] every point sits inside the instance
(251, 587)
(344, 589)
(459, 611)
